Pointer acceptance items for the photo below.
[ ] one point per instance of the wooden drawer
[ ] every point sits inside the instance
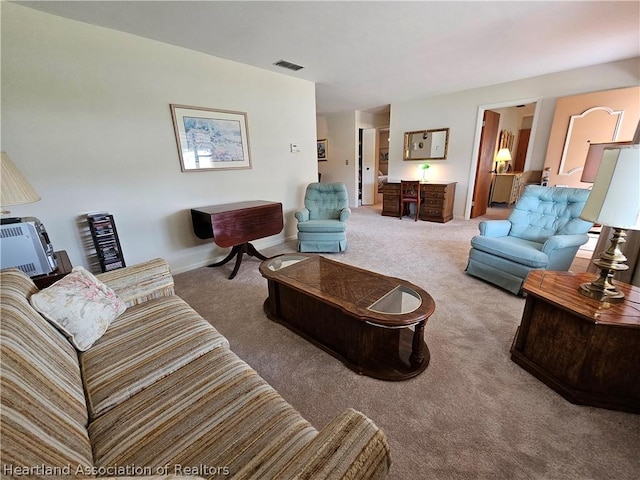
(437, 203)
(391, 199)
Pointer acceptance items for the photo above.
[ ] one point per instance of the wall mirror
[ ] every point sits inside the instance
(426, 144)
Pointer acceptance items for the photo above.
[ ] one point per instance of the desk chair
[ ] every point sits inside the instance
(409, 193)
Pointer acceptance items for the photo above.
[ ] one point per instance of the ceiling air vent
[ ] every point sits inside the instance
(289, 65)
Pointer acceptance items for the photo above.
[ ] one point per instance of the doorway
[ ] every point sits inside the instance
(477, 176)
(367, 176)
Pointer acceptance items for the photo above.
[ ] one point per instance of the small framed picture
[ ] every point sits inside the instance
(322, 149)
(210, 139)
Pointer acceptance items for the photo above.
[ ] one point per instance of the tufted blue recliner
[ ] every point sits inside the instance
(544, 231)
(322, 223)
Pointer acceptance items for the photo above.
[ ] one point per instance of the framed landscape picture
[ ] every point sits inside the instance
(210, 139)
(322, 150)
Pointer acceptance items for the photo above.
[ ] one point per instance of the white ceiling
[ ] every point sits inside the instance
(367, 54)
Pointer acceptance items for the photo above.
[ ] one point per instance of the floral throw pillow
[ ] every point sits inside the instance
(79, 305)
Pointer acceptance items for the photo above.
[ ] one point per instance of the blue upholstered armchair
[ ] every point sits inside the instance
(322, 223)
(544, 231)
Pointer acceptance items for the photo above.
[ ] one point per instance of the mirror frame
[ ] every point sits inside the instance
(418, 136)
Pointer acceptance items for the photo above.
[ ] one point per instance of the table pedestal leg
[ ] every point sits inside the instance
(417, 350)
(237, 251)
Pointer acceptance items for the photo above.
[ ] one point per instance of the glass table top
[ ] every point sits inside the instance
(284, 261)
(398, 301)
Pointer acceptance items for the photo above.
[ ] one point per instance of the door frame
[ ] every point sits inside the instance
(476, 144)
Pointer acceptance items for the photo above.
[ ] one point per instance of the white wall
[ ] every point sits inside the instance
(342, 160)
(459, 112)
(85, 116)
(342, 130)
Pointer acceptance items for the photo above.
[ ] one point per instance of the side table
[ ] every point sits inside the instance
(64, 268)
(587, 351)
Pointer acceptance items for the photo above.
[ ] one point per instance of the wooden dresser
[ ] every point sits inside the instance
(436, 205)
(505, 188)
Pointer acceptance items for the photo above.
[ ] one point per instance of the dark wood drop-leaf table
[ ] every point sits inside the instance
(371, 322)
(235, 225)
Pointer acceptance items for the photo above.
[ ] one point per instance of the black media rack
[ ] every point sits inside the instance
(106, 241)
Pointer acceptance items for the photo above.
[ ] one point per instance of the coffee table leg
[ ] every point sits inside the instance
(417, 347)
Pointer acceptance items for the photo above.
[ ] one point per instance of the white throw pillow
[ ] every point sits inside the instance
(79, 305)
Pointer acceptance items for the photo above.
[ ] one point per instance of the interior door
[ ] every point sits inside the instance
(521, 152)
(369, 176)
(487, 150)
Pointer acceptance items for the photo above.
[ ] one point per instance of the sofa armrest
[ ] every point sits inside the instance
(345, 213)
(302, 215)
(159, 476)
(140, 283)
(350, 447)
(557, 242)
(494, 228)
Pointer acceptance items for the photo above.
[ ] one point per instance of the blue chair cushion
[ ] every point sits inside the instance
(543, 211)
(514, 249)
(322, 226)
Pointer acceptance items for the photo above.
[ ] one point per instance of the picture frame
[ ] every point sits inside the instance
(323, 147)
(211, 139)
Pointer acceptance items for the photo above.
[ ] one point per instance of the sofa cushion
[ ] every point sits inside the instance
(220, 414)
(146, 343)
(80, 305)
(43, 414)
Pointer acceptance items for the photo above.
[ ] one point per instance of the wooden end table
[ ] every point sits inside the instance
(587, 351)
(64, 268)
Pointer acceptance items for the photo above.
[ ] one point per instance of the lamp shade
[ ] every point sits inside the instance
(15, 190)
(504, 155)
(615, 197)
(594, 155)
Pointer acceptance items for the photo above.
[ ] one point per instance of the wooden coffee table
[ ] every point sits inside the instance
(373, 323)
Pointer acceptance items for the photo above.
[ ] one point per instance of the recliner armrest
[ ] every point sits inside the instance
(494, 228)
(345, 213)
(556, 242)
(302, 215)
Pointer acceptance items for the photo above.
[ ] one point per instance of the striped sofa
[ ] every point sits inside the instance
(159, 395)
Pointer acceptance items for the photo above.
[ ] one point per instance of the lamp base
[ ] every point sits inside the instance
(592, 290)
(610, 262)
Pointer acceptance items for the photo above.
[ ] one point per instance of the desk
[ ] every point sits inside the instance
(587, 351)
(436, 204)
(236, 225)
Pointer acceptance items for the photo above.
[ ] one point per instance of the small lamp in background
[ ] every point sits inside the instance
(423, 167)
(14, 188)
(614, 201)
(503, 156)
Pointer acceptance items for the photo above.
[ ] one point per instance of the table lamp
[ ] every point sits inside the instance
(614, 201)
(14, 188)
(503, 156)
(594, 155)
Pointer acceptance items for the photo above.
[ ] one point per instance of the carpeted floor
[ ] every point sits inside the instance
(473, 414)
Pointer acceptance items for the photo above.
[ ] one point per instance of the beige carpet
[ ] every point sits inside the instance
(473, 414)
